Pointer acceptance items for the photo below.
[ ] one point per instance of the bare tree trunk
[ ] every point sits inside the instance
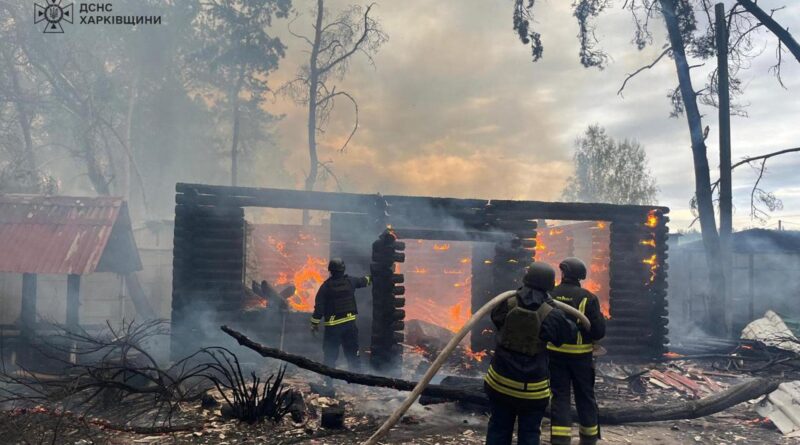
(705, 203)
(781, 33)
(725, 185)
(313, 93)
(235, 135)
(126, 167)
(22, 117)
(93, 169)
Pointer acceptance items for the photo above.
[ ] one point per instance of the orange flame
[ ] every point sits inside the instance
(477, 356)
(466, 260)
(307, 281)
(441, 247)
(653, 263)
(673, 355)
(652, 219)
(420, 270)
(648, 242)
(459, 314)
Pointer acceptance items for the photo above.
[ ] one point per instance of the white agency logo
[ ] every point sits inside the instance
(53, 13)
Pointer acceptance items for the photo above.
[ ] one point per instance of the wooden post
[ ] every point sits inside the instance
(73, 300)
(751, 287)
(28, 309)
(725, 188)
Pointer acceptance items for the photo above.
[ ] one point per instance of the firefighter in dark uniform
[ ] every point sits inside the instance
(517, 382)
(571, 364)
(335, 308)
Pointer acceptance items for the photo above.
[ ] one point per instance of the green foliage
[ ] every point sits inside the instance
(609, 171)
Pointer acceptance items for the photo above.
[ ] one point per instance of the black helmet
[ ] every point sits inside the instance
(540, 276)
(336, 265)
(573, 268)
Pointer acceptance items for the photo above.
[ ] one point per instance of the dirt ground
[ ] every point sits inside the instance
(443, 424)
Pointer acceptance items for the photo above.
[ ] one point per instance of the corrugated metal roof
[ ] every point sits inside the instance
(55, 234)
(782, 407)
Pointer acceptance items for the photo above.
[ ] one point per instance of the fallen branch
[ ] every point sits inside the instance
(609, 416)
(693, 409)
(437, 391)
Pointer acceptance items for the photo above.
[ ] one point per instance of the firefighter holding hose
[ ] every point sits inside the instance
(517, 383)
(571, 363)
(335, 308)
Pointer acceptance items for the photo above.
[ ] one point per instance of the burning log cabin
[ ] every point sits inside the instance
(451, 257)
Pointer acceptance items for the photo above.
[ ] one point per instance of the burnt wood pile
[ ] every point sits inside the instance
(209, 256)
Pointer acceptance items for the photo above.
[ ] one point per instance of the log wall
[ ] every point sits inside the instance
(209, 255)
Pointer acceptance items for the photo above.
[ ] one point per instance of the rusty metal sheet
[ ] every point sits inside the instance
(54, 234)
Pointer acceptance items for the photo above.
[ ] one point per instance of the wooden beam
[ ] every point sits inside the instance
(28, 306)
(452, 235)
(73, 301)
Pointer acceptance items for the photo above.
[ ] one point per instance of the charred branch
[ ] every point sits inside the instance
(352, 377)
(463, 391)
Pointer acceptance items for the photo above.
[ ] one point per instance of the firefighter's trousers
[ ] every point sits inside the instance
(572, 373)
(343, 336)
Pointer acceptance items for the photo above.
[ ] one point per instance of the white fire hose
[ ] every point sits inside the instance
(448, 350)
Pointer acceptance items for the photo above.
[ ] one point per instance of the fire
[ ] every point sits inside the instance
(465, 260)
(420, 270)
(307, 281)
(458, 315)
(477, 356)
(600, 225)
(255, 303)
(441, 247)
(673, 355)
(278, 246)
(283, 278)
(652, 261)
(648, 242)
(652, 219)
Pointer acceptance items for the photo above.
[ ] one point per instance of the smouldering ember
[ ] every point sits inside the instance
(477, 356)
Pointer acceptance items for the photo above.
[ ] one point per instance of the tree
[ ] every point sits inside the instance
(332, 46)
(236, 57)
(685, 40)
(609, 171)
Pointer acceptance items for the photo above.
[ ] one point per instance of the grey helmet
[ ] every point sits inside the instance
(336, 265)
(573, 268)
(540, 276)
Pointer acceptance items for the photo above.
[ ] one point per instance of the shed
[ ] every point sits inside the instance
(72, 236)
(765, 277)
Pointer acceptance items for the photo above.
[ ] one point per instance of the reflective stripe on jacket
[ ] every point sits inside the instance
(333, 320)
(580, 346)
(535, 390)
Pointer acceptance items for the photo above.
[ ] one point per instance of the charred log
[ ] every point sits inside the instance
(468, 390)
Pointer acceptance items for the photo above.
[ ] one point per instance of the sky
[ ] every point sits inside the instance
(454, 106)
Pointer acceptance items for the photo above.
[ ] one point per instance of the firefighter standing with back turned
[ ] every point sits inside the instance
(517, 382)
(571, 364)
(335, 308)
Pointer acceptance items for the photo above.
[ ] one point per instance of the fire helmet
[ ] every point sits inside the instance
(573, 268)
(336, 265)
(540, 276)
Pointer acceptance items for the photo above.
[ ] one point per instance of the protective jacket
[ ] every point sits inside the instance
(572, 369)
(571, 293)
(335, 302)
(519, 370)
